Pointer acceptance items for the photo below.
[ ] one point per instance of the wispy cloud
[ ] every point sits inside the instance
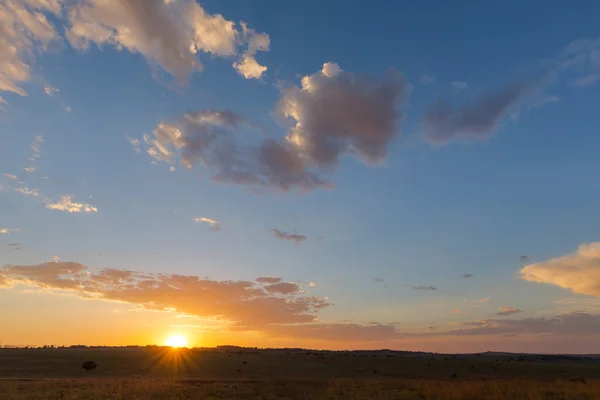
(67, 204)
(50, 91)
(11, 176)
(135, 142)
(427, 79)
(213, 224)
(5, 231)
(423, 287)
(459, 85)
(28, 192)
(467, 276)
(575, 323)
(504, 311)
(276, 233)
(447, 120)
(378, 280)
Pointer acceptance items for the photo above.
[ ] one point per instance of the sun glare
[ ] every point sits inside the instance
(176, 341)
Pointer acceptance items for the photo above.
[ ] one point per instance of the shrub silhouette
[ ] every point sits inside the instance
(89, 365)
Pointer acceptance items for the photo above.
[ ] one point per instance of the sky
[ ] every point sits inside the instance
(333, 175)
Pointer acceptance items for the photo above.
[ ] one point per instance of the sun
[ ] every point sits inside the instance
(176, 341)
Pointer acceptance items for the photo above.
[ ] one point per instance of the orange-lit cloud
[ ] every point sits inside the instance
(184, 27)
(242, 303)
(578, 271)
(504, 311)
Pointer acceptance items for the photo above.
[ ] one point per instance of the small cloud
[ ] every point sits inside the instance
(66, 107)
(481, 301)
(214, 225)
(50, 91)
(504, 311)
(431, 327)
(2, 103)
(427, 79)
(55, 259)
(312, 284)
(458, 311)
(587, 80)
(5, 231)
(267, 279)
(171, 168)
(11, 176)
(135, 142)
(459, 85)
(423, 287)
(378, 280)
(28, 192)
(30, 169)
(467, 276)
(276, 233)
(66, 204)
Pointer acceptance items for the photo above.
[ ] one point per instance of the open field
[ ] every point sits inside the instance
(162, 373)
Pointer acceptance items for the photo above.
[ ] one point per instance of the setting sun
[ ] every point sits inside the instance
(176, 341)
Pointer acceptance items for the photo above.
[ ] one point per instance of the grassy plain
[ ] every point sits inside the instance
(162, 373)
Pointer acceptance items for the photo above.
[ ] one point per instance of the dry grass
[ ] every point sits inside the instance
(146, 389)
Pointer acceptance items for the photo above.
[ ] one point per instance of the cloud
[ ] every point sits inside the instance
(282, 287)
(214, 225)
(578, 271)
(2, 103)
(28, 192)
(167, 33)
(459, 85)
(341, 332)
(504, 311)
(581, 59)
(427, 79)
(422, 287)
(378, 280)
(267, 279)
(208, 138)
(575, 323)
(446, 121)
(13, 244)
(25, 31)
(248, 67)
(335, 113)
(66, 204)
(4, 231)
(481, 301)
(49, 90)
(245, 304)
(467, 276)
(66, 107)
(30, 169)
(135, 142)
(276, 233)
(11, 176)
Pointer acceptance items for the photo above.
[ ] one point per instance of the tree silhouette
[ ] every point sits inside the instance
(89, 365)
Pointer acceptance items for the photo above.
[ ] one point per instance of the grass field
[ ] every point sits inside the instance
(162, 373)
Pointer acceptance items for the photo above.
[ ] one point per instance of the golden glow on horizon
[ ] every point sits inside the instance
(176, 341)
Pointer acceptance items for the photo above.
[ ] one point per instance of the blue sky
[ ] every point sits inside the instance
(432, 141)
